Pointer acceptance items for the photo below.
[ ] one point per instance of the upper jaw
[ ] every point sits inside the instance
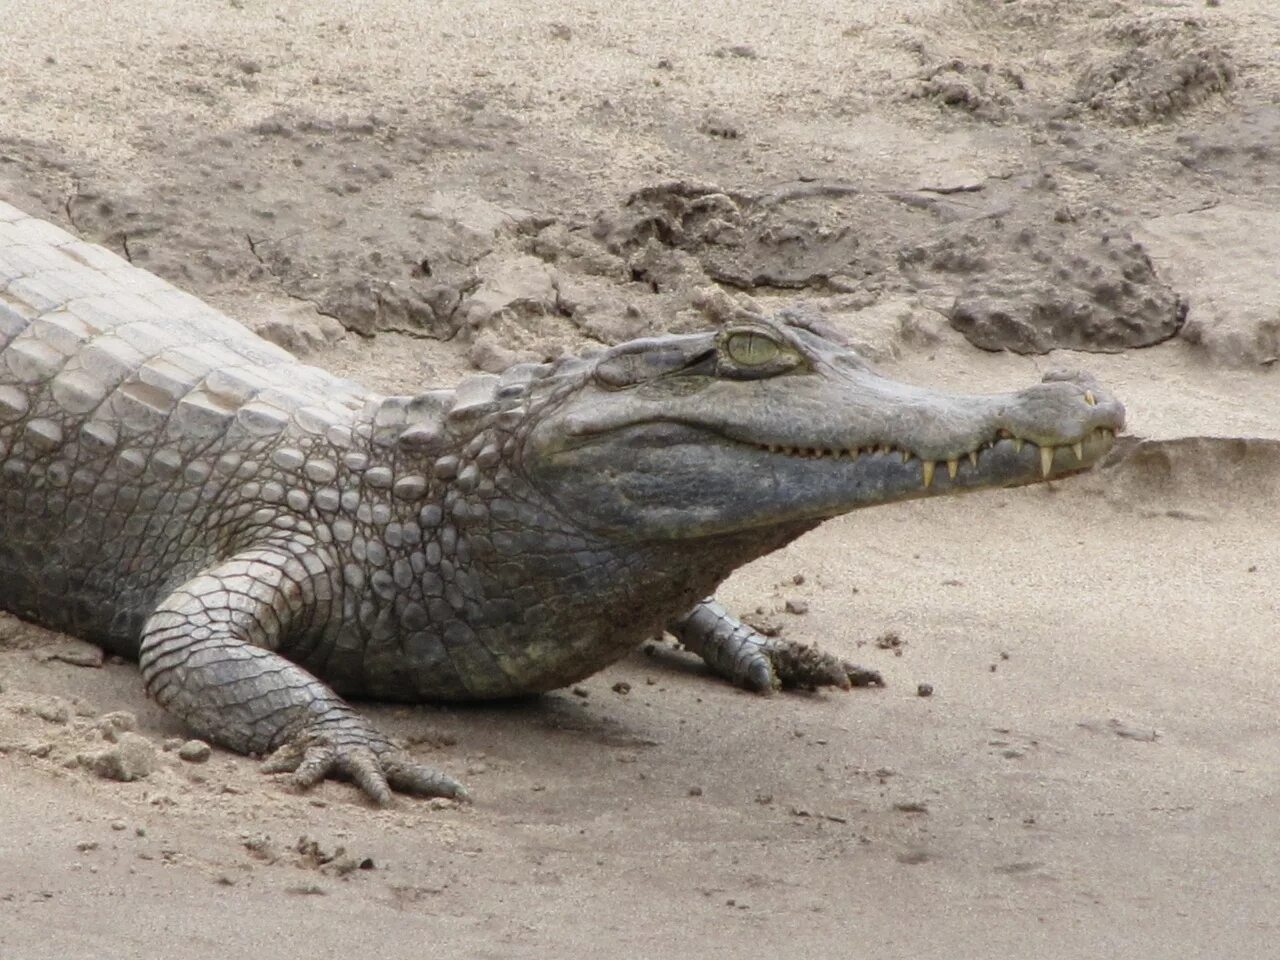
(971, 467)
(1068, 419)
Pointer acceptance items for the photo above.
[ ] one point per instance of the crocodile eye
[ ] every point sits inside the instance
(752, 349)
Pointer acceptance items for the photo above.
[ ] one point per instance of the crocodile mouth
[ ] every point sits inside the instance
(1074, 455)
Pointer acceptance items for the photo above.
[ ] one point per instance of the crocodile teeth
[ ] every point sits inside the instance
(953, 467)
(973, 459)
(1078, 447)
(1090, 399)
(1017, 444)
(906, 455)
(1046, 460)
(928, 466)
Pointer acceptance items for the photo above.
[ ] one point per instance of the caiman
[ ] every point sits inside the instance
(267, 539)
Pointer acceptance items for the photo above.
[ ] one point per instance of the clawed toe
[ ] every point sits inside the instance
(376, 772)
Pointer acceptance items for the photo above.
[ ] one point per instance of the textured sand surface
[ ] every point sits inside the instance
(406, 192)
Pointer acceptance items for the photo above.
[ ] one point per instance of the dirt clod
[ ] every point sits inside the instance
(130, 757)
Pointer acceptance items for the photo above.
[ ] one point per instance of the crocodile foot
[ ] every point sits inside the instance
(373, 764)
(787, 664)
(749, 659)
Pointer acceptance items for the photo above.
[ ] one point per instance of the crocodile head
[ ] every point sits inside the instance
(772, 423)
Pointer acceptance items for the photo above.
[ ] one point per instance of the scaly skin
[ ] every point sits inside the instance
(266, 538)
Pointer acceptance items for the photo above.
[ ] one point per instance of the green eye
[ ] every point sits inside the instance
(752, 349)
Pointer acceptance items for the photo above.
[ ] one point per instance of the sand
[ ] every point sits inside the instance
(976, 193)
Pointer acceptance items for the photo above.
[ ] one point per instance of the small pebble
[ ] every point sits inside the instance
(797, 607)
(695, 791)
(195, 751)
(119, 825)
(622, 687)
(924, 690)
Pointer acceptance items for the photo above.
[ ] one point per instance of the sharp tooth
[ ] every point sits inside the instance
(953, 467)
(973, 459)
(1017, 444)
(1090, 399)
(885, 449)
(927, 466)
(1078, 447)
(906, 455)
(1046, 460)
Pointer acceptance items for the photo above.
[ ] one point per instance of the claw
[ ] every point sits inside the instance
(311, 759)
(863, 677)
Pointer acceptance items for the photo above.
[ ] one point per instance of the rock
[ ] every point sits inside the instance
(878, 332)
(763, 624)
(797, 607)
(300, 329)
(489, 355)
(131, 757)
(1032, 288)
(51, 710)
(75, 652)
(522, 285)
(195, 751)
(557, 243)
(111, 725)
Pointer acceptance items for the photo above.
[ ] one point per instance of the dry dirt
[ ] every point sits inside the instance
(405, 192)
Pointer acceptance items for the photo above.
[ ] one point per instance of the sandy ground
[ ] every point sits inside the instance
(406, 192)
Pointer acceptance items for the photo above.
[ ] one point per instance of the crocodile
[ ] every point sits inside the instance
(268, 540)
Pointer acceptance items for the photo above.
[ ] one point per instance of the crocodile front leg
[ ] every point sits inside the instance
(749, 659)
(208, 656)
